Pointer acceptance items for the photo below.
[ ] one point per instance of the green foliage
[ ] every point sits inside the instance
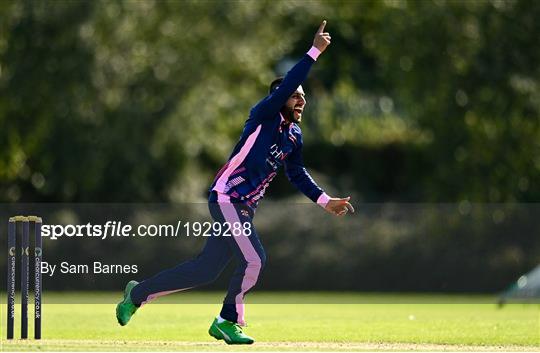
(143, 100)
(467, 73)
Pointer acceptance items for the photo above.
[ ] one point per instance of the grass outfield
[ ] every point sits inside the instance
(461, 323)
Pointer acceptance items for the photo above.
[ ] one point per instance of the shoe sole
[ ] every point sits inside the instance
(118, 316)
(126, 292)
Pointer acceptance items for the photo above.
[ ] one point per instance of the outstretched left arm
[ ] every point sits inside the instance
(299, 176)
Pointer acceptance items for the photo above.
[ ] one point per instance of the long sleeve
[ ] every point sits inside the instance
(271, 104)
(299, 176)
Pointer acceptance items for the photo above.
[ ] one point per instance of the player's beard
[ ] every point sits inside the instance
(289, 115)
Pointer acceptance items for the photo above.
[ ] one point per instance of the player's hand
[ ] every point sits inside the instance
(339, 207)
(322, 38)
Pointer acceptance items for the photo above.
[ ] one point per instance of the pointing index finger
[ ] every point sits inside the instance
(321, 27)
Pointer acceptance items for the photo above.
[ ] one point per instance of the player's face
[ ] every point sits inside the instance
(294, 107)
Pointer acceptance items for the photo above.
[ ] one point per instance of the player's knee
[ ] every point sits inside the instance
(262, 256)
(257, 264)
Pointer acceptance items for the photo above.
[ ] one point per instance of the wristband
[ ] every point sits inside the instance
(314, 53)
(323, 200)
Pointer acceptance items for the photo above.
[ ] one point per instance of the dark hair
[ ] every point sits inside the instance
(274, 85)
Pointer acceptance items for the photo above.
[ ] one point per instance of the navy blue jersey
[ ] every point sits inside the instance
(267, 142)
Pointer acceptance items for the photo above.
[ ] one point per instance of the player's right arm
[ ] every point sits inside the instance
(271, 105)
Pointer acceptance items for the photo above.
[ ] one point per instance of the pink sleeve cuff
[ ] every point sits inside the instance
(323, 200)
(314, 53)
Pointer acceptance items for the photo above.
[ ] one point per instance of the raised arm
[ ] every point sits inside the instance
(271, 105)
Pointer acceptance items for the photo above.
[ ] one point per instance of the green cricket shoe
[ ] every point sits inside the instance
(230, 332)
(125, 309)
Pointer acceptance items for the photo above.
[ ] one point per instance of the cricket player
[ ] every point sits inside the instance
(271, 138)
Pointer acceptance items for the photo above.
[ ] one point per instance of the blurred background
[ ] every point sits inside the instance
(415, 102)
